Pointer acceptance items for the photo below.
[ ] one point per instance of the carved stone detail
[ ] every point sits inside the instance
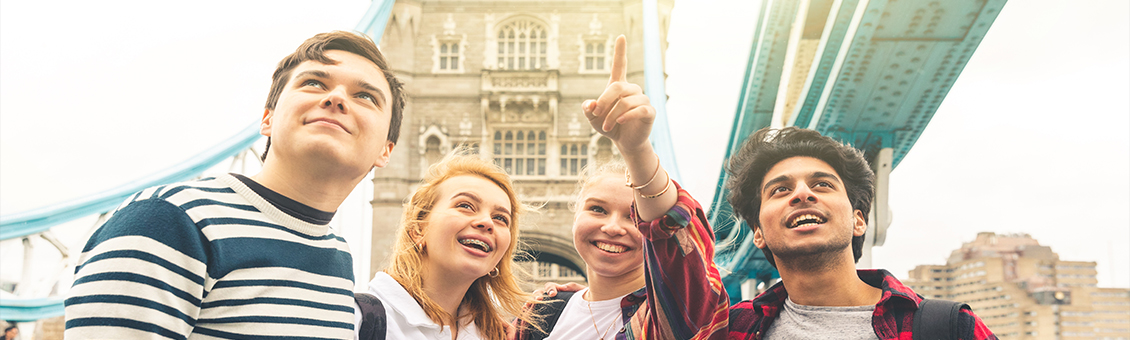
(595, 25)
(449, 25)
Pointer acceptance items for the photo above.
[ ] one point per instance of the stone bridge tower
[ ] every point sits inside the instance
(506, 78)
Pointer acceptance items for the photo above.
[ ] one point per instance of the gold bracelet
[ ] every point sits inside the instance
(628, 178)
(661, 192)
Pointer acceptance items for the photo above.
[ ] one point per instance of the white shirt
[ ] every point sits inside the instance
(404, 317)
(576, 322)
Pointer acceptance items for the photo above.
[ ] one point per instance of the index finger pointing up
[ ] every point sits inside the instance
(619, 61)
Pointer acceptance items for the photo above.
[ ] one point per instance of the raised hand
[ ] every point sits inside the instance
(622, 113)
(625, 115)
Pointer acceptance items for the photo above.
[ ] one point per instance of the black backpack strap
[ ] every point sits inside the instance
(373, 323)
(551, 311)
(937, 319)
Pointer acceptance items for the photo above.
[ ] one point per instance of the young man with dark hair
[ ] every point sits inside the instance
(238, 257)
(807, 197)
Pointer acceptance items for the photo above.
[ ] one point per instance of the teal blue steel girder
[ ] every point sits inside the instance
(35, 221)
(903, 60)
(879, 70)
(24, 310)
(740, 260)
(39, 220)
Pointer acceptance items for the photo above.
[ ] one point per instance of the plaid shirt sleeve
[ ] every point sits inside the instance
(685, 295)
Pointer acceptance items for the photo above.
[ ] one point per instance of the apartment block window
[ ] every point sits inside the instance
(520, 152)
(522, 46)
(594, 56)
(449, 56)
(574, 158)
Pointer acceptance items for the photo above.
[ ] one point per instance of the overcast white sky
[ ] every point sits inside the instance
(1034, 137)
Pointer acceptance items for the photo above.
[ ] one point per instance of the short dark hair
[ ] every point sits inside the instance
(766, 147)
(315, 49)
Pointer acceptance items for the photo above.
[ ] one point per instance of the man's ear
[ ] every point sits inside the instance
(265, 124)
(860, 226)
(386, 154)
(758, 238)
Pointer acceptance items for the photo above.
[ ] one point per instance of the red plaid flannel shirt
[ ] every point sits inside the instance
(893, 316)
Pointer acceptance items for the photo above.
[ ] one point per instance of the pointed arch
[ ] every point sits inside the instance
(523, 43)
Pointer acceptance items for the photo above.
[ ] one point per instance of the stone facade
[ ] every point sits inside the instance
(1022, 290)
(506, 78)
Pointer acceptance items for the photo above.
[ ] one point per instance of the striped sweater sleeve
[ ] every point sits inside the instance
(685, 295)
(141, 275)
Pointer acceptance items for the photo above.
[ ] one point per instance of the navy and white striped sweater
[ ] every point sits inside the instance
(210, 259)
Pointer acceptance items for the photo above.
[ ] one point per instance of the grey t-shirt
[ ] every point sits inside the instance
(817, 322)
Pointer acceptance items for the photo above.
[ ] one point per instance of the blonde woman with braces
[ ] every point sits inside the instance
(452, 272)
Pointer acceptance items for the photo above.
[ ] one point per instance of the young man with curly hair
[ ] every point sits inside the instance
(807, 198)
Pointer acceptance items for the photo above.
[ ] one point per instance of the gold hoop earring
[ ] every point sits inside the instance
(493, 272)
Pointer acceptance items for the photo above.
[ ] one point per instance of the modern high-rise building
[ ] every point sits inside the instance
(506, 78)
(1022, 290)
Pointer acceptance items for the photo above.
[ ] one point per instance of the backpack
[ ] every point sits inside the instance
(552, 311)
(373, 323)
(937, 319)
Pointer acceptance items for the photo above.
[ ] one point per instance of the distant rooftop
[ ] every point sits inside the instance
(989, 244)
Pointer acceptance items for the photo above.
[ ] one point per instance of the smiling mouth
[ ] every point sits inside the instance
(331, 122)
(477, 244)
(608, 247)
(806, 219)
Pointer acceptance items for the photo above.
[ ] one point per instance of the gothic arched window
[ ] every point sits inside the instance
(522, 46)
(432, 153)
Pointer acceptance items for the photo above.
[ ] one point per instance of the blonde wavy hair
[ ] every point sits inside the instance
(589, 173)
(489, 300)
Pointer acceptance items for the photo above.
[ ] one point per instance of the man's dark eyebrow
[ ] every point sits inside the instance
(782, 178)
(821, 174)
(365, 85)
(312, 73)
(768, 183)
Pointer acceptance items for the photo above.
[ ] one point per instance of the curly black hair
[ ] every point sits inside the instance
(766, 147)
